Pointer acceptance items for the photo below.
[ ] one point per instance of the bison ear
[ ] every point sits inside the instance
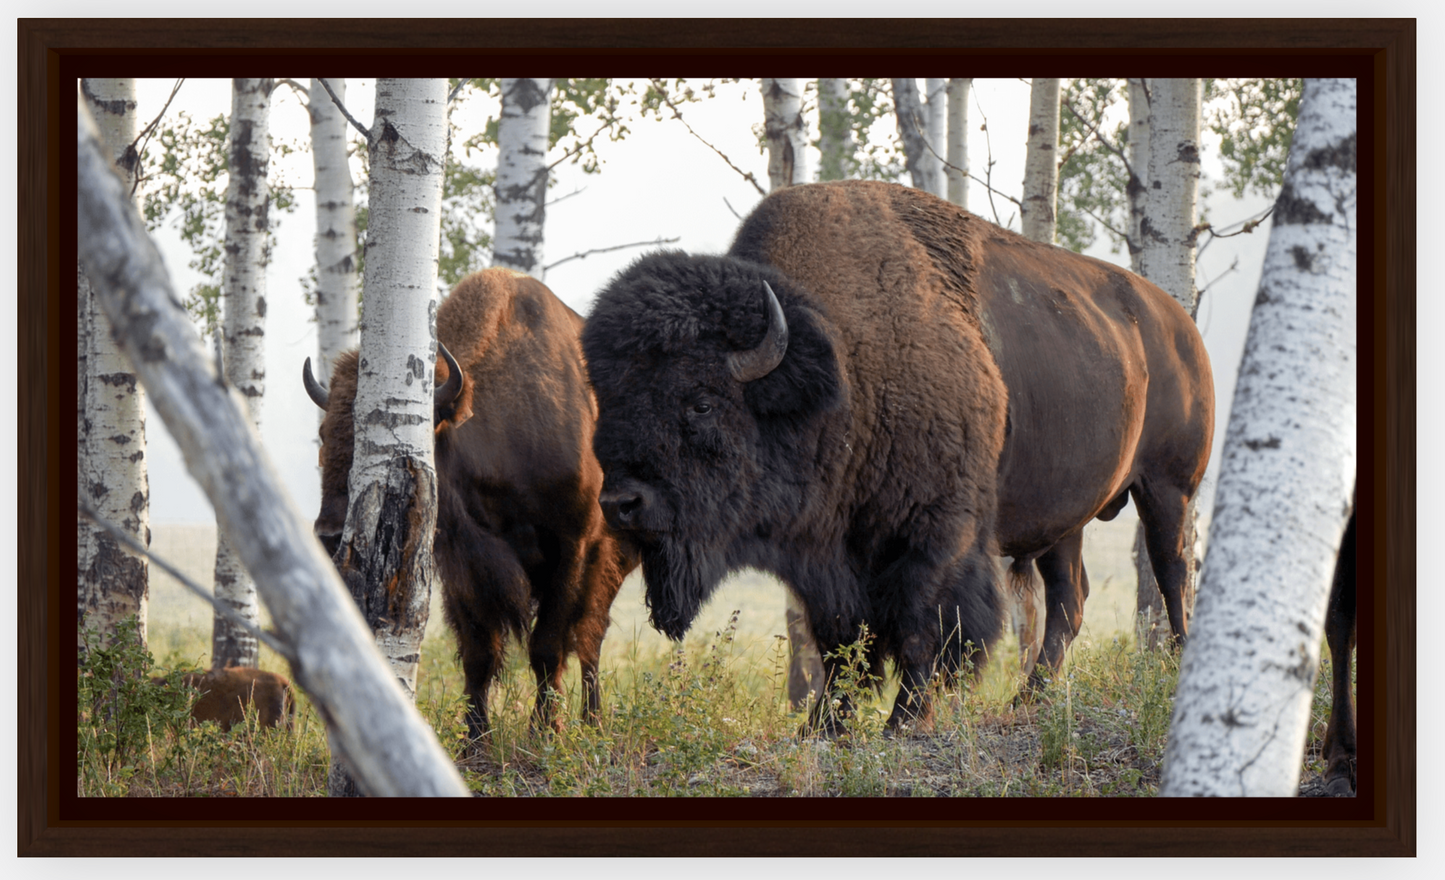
(459, 409)
(808, 378)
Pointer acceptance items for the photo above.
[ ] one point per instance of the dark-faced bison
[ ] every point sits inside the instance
(519, 532)
(225, 694)
(872, 392)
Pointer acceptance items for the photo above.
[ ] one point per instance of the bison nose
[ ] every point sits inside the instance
(623, 510)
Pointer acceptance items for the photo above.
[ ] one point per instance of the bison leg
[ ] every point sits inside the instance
(1339, 744)
(1163, 510)
(1066, 586)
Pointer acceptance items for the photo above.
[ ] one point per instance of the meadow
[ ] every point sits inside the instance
(706, 717)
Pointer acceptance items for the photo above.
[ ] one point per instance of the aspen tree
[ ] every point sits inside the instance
(912, 130)
(1167, 238)
(336, 256)
(785, 132)
(835, 131)
(1038, 210)
(113, 582)
(1285, 484)
(385, 556)
(522, 136)
(243, 295)
(957, 170)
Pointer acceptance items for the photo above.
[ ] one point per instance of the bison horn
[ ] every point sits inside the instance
(448, 392)
(318, 394)
(757, 362)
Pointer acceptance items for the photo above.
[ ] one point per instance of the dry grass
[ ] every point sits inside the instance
(708, 717)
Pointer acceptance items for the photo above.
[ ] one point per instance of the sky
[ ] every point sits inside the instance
(660, 182)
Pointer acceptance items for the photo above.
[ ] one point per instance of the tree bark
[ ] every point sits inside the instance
(336, 257)
(1247, 677)
(957, 172)
(785, 131)
(113, 582)
(368, 718)
(1037, 211)
(243, 293)
(522, 136)
(911, 122)
(385, 556)
(835, 131)
(1167, 238)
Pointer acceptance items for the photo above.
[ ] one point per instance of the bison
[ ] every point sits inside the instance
(225, 693)
(872, 392)
(519, 535)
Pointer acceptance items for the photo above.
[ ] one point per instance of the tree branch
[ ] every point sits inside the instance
(1094, 130)
(145, 135)
(584, 254)
(677, 114)
(222, 608)
(988, 169)
(365, 132)
(298, 87)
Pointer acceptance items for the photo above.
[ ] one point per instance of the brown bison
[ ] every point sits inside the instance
(870, 393)
(519, 534)
(225, 694)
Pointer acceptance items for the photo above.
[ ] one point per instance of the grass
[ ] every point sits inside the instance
(707, 717)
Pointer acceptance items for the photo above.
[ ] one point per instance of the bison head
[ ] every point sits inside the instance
(452, 405)
(713, 376)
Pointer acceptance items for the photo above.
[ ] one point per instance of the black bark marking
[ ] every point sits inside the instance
(1256, 445)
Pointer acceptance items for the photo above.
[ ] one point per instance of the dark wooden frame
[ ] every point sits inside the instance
(1382, 821)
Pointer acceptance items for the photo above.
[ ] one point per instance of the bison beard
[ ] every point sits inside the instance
(859, 468)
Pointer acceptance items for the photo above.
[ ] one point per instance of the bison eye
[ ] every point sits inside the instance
(702, 408)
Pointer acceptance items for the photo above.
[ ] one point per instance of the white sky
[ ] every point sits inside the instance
(658, 182)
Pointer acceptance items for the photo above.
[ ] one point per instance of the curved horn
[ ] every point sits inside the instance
(318, 394)
(762, 360)
(448, 392)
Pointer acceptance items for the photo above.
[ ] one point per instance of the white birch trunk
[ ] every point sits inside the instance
(835, 132)
(386, 551)
(1285, 484)
(1041, 163)
(1167, 239)
(1139, 163)
(336, 279)
(243, 296)
(957, 170)
(785, 131)
(522, 174)
(935, 109)
(113, 582)
(368, 718)
(911, 128)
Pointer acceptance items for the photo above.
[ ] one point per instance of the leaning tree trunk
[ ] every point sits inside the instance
(521, 174)
(835, 129)
(385, 555)
(113, 582)
(911, 128)
(785, 131)
(1138, 164)
(317, 627)
(243, 294)
(1167, 237)
(957, 169)
(1037, 211)
(1241, 713)
(336, 279)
